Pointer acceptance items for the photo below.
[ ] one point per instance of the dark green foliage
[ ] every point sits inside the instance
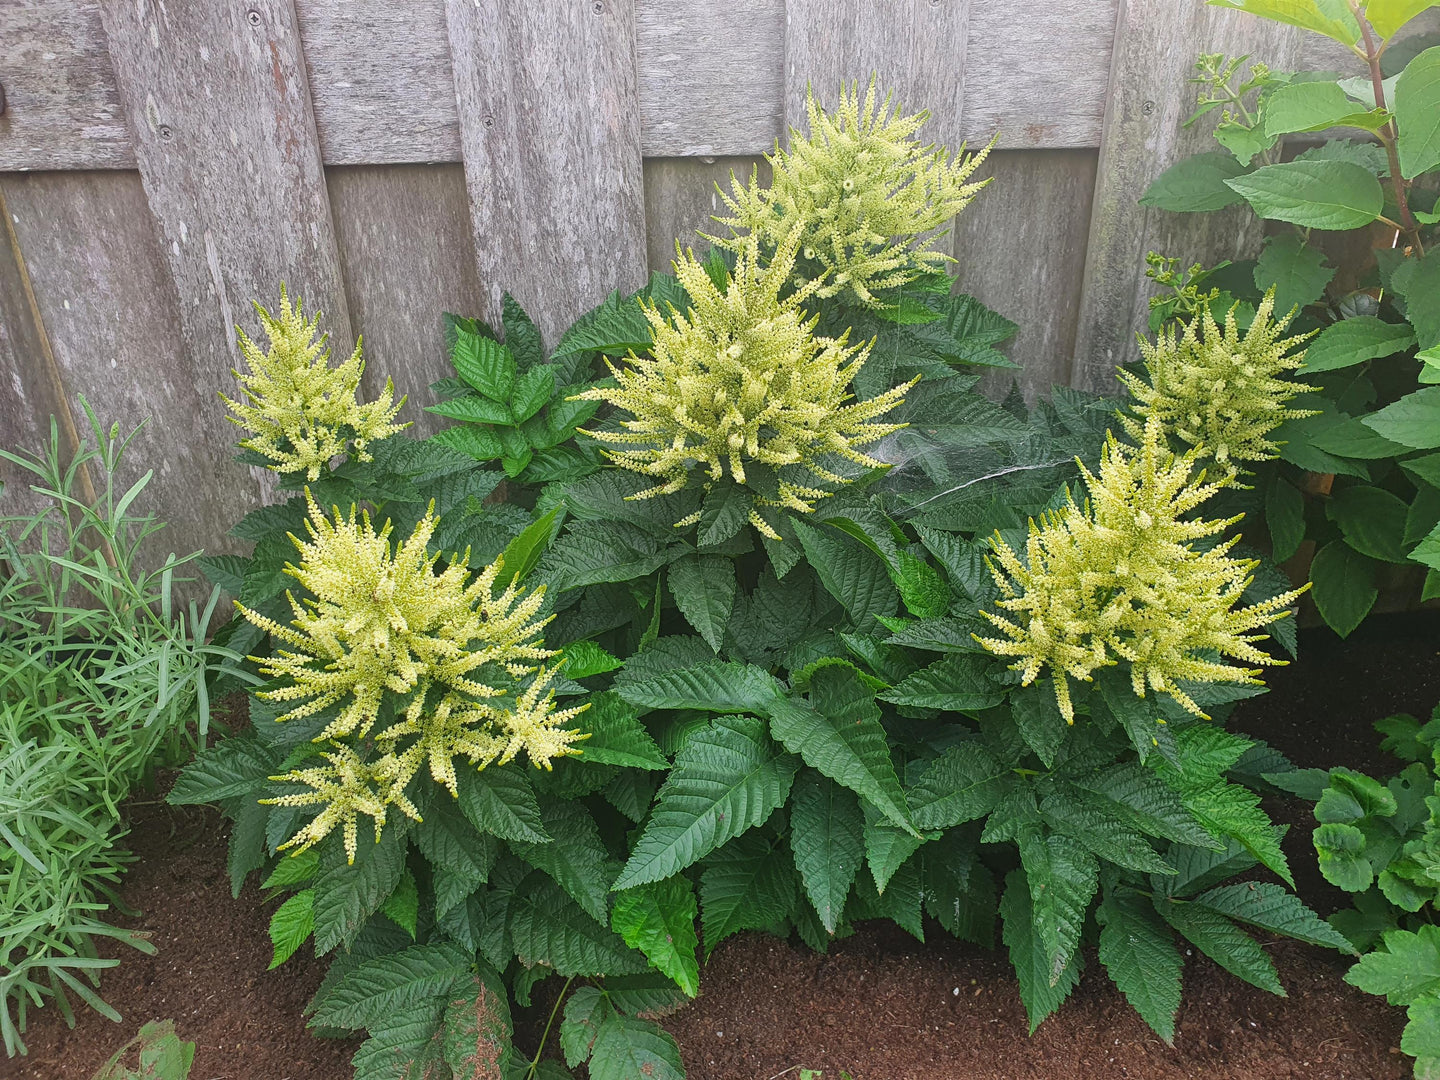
(1381, 841)
(1376, 340)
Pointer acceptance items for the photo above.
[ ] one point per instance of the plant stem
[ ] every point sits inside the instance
(544, 1035)
(1388, 134)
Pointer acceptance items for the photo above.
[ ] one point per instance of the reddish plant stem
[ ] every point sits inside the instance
(1388, 134)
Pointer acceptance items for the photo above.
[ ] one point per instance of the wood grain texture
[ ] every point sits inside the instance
(680, 198)
(711, 76)
(62, 108)
(1037, 73)
(106, 299)
(550, 128)
(30, 386)
(218, 108)
(1020, 249)
(380, 80)
(405, 248)
(711, 81)
(1149, 98)
(915, 48)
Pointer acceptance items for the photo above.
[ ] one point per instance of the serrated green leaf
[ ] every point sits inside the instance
(747, 885)
(886, 847)
(1285, 518)
(1037, 717)
(617, 326)
(617, 737)
(293, 870)
(1417, 114)
(1104, 834)
(232, 768)
(723, 513)
(449, 841)
(1405, 970)
(482, 444)
(1323, 18)
(345, 895)
(402, 907)
(1341, 849)
(586, 1009)
(704, 591)
(851, 573)
(827, 838)
(1196, 183)
(727, 778)
(533, 390)
(956, 683)
(1296, 271)
(1062, 877)
(1372, 520)
(486, 365)
(1140, 956)
(1138, 795)
(500, 801)
(713, 685)
(1353, 341)
(576, 858)
(1270, 907)
(292, 922)
(841, 736)
(1315, 106)
(591, 554)
(477, 1031)
(964, 783)
(523, 554)
(658, 918)
(584, 659)
(473, 409)
(627, 1047)
(1342, 586)
(547, 927)
(1224, 942)
(1333, 195)
(392, 983)
(1043, 986)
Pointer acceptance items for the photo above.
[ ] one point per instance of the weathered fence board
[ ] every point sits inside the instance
(380, 80)
(711, 77)
(106, 301)
(30, 387)
(916, 48)
(404, 238)
(1149, 98)
(1037, 72)
(1020, 248)
(219, 113)
(680, 200)
(551, 132)
(62, 109)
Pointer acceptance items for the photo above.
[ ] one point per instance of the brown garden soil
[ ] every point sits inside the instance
(880, 1006)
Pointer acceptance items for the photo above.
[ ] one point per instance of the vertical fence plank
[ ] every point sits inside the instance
(30, 385)
(216, 98)
(914, 47)
(1020, 248)
(1156, 44)
(550, 131)
(405, 247)
(106, 302)
(680, 200)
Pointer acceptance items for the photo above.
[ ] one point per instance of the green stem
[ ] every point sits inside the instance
(534, 1066)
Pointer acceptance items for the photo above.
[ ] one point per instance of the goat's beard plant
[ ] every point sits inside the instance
(840, 732)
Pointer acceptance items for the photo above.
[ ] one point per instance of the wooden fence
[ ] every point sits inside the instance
(163, 163)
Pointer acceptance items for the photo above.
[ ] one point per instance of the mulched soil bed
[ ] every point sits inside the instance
(880, 1006)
